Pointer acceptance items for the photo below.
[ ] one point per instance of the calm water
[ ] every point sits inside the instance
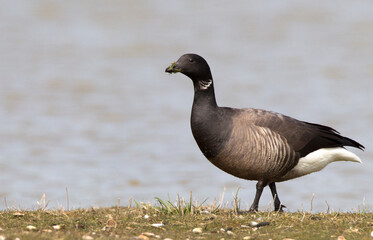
(85, 103)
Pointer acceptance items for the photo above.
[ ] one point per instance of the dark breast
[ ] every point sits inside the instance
(211, 130)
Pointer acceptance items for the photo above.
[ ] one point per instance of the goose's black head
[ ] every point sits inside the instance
(191, 65)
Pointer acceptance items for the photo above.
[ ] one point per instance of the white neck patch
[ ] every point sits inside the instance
(204, 84)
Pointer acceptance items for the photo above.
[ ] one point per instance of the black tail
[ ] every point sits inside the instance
(352, 143)
(328, 137)
(335, 137)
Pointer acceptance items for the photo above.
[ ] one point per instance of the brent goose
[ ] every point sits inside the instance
(255, 144)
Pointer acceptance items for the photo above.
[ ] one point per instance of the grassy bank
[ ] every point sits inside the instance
(181, 221)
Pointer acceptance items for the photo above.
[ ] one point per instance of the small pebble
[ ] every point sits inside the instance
(197, 230)
(354, 230)
(371, 234)
(222, 230)
(18, 214)
(143, 237)
(57, 227)
(167, 239)
(230, 233)
(157, 224)
(341, 238)
(146, 216)
(87, 237)
(253, 224)
(30, 227)
(111, 223)
(261, 224)
(149, 234)
(247, 238)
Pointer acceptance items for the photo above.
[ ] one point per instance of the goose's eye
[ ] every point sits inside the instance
(191, 60)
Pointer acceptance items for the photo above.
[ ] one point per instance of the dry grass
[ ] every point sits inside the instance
(180, 219)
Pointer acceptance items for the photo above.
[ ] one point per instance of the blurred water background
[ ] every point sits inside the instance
(85, 103)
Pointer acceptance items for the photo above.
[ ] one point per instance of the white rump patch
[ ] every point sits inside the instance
(204, 84)
(317, 160)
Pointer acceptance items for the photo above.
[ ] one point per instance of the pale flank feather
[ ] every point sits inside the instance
(317, 160)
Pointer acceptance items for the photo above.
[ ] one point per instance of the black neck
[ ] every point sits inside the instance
(207, 121)
(204, 97)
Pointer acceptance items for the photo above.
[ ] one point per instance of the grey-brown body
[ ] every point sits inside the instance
(253, 152)
(255, 144)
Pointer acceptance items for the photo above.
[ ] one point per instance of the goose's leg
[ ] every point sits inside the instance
(259, 189)
(277, 203)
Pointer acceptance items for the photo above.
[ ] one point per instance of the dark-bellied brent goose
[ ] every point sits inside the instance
(255, 144)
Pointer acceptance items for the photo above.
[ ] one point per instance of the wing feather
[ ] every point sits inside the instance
(303, 137)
